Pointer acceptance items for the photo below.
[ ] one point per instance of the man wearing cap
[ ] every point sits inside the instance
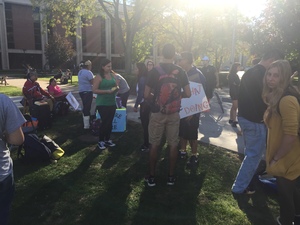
(85, 82)
(211, 76)
(188, 129)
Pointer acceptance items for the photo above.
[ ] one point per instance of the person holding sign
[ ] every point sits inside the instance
(188, 129)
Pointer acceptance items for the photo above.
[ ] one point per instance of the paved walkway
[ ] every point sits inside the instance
(214, 127)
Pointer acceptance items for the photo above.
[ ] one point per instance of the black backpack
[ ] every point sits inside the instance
(61, 108)
(95, 126)
(34, 150)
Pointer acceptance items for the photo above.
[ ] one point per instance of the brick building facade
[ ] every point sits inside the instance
(22, 40)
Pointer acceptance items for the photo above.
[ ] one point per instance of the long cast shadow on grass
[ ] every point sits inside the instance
(258, 212)
(113, 207)
(45, 199)
(128, 201)
(174, 205)
(255, 206)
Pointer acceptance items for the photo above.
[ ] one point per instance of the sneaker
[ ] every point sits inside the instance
(234, 123)
(101, 145)
(193, 160)
(171, 180)
(278, 220)
(249, 191)
(182, 153)
(279, 223)
(297, 220)
(110, 143)
(150, 180)
(144, 148)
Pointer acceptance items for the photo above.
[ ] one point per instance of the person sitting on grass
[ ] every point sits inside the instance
(33, 91)
(55, 90)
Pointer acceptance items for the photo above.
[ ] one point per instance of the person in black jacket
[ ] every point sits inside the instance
(251, 109)
(145, 110)
(211, 77)
(234, 84)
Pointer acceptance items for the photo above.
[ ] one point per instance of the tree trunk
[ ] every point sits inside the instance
(128, 51)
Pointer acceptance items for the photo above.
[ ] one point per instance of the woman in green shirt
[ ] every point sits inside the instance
(105, 86)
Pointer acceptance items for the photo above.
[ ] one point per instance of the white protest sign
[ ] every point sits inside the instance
(196, 103)
(73, 101)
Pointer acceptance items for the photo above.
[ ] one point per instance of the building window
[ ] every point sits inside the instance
(37, 29)
(113, 38)
(9, 26)
(103, 36)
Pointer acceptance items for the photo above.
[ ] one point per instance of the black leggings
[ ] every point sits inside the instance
(107, 114)
(289, 199)
(124, 98)
(145, 116)
(86, 98)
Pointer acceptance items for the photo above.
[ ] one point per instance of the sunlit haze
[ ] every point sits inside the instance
(248, 8)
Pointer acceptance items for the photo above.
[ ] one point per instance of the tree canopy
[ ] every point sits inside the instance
(203, 29)
(278, 27)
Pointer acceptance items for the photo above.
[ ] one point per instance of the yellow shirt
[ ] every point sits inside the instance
(288, 123)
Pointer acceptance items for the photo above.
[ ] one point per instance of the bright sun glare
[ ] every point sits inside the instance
(248, 8)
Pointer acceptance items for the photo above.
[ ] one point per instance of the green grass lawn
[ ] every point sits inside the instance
(89, 186)
(11, 90)
(74, 80)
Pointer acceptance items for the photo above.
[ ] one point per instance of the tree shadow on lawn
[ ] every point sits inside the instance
(170, 205)
(176, 204)
(128, 200)
(37, 209)
(255, 207)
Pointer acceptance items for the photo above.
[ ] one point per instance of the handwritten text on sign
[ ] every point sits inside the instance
(196, 103)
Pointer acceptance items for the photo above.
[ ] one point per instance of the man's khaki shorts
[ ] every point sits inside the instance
(160, 123)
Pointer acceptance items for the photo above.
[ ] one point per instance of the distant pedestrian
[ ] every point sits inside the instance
(150, 65)
(124, 89)
(85, 82)
(161, 120)
(234, 84)
(251, 109)
(211, 75)
(283, 145)
(11, 121)
(145, 110)
(188, 129)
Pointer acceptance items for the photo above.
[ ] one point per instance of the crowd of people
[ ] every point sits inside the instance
(265, 105)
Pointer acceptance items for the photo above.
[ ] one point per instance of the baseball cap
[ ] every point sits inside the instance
(205, 58)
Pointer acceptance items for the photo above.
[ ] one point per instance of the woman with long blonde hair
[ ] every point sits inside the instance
(283, 144)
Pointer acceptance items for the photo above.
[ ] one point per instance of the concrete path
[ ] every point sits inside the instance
(214, 127)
